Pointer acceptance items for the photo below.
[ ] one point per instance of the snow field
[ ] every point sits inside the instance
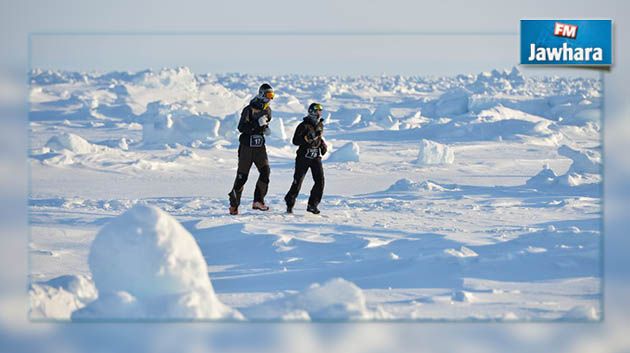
(408, 231)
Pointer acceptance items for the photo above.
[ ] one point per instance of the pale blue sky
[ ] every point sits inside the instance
(302, 53)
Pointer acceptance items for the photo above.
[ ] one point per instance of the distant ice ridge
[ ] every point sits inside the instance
(146, 265)
(432, 152)
(201, 108)
(496, 80)
(180, 85)
(585, 169)
(349, 152)
(168, 124)
(336, 299)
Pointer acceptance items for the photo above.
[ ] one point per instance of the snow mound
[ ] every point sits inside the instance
(584, 161)
(462, 296)
(60, 296)
(581, 313)
(121, 143)
(347, 153)
(500, 112)
(545, 177)
(183, 155)
(169, 124)
(432, 153)
(81, 286)
(575, 179)
(585, 169)
(69, 149)
(463, 252)
(71, 142)
(405, 185)
(428, 185)
(452, 102)
(146, 265)
(336, 299)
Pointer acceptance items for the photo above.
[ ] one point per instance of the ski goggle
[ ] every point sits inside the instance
(317, 107)
(269, 94)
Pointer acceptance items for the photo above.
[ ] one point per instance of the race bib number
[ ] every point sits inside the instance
(312, 153)
(256, 141)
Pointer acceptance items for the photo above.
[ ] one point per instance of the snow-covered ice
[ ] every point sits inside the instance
(500, 220)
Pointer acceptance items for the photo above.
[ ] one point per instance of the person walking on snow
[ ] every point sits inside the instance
(253, 125)
(309, 137)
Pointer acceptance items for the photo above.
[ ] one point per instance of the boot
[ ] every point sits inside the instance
(312, 209)
(260, 206)
(233, 210)
(234, 198)
(289, 205)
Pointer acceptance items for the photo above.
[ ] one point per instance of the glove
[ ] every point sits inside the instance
(263, 121)
(311, 135)
(266, 132)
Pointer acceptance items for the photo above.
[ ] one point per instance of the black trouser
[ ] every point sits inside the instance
(302, 164)
(246, 156)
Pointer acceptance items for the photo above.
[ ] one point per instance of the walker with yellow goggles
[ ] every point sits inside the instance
(265, 92)
(315, 107)
(269, 94)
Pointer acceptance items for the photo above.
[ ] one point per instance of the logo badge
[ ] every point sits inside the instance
(566, 42)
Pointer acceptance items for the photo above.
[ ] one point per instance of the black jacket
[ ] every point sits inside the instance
(308, 134)
(248, 124)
